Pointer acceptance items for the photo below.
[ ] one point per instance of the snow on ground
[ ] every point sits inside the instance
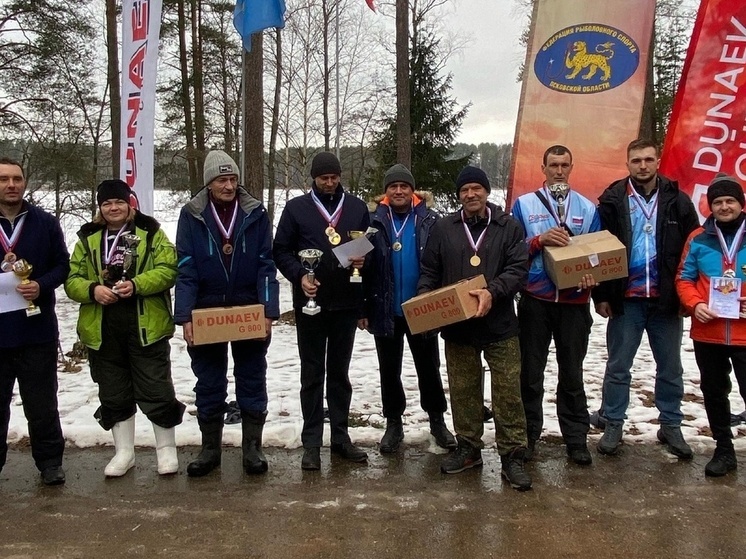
(78, 394)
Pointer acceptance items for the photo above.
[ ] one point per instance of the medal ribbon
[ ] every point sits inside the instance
(729, 253)
(548, 195)
(398, 232)
(641, 203)
(227, 234)
(469, 237)
(10, 243)
(332, 219)
(109, 252)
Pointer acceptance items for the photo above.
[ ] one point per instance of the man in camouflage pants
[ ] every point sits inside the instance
(482, 239)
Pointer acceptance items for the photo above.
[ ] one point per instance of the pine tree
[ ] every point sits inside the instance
(436, 119)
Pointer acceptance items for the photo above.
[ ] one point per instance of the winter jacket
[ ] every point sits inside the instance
(42, 244)
(154, 275)
(676, 219)
(504, 263)
(536, 219)
(379, 278)
(203, 280)
(701, 261)
(302, 226)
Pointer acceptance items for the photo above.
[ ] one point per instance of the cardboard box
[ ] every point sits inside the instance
(443, 306)
(600, 254)
(227, 324)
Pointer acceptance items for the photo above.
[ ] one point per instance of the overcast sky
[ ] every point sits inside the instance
(484, 72)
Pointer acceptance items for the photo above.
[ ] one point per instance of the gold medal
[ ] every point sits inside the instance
(10, 257)
(475, 261)
(335, 239)
(396, 246)
(105, 274)
(330, 232)
(227, 249)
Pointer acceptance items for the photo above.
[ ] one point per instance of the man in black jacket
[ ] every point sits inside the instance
(323, 219)
(482, 239)
(653, 218)
(403, 221)
(28, 345)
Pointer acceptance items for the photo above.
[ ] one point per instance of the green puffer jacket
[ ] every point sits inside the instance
(156, 274)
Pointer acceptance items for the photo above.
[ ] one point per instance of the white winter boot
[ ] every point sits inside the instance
(124, 443)
(165, 450)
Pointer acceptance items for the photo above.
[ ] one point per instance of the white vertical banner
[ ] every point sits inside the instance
(141, 22)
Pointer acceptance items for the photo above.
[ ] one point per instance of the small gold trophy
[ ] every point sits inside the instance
(23, 269)
(355, 277)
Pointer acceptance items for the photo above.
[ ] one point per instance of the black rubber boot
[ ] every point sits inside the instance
(212, 440)
(252, 424)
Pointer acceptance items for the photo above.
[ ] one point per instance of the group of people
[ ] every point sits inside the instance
(123, 268)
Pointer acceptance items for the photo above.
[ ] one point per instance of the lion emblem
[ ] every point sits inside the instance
(581, 60)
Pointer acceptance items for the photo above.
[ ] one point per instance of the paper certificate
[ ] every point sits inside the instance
(10, 299)
(352, 249)
(724, 294)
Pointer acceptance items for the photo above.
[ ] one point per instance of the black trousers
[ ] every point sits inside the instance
(570, 325)
(426, 363)
(128, 373)
(35, 367)
(714, 362)
(325, 345)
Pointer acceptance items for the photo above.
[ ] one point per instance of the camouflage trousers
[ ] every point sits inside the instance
(466, 383)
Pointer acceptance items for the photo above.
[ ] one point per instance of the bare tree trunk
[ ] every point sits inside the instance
(253, 145)
(271, 180)
(186, 100)
(112, 77)
(647, 118)
(199, 87)
(327, 74)
(403, 120)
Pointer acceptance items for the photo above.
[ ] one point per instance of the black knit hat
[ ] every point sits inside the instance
(398, 173)
(325, 163)
(724, 185)
(112, 189)
(472, 174)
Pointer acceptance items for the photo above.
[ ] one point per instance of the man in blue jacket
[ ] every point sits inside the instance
(28, 345)
(323, 219)
(224, 248)
(403, 221)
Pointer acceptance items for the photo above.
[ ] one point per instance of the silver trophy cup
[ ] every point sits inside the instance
(131, 241)
(310, 259)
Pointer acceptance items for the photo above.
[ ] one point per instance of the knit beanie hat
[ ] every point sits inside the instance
(398, 173)
(325, 163)
(724, 185)
(112, 189)
(219, 163)
(472, 174)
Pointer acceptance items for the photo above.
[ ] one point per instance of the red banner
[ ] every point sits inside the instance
(707, 132)
(584, 87)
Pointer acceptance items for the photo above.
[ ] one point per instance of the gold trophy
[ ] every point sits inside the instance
(23, 269)
(355, 277)
(310, 259)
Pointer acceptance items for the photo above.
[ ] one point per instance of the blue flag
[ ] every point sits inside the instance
(252, 16)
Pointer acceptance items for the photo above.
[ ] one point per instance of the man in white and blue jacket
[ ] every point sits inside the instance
(224, 246)
(550, 217)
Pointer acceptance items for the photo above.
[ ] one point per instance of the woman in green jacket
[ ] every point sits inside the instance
(121, 273)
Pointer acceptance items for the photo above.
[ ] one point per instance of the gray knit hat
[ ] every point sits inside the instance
(723, 185)
(219, 163)
(398, 173)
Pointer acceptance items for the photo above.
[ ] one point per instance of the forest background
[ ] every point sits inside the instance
(60, 104)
